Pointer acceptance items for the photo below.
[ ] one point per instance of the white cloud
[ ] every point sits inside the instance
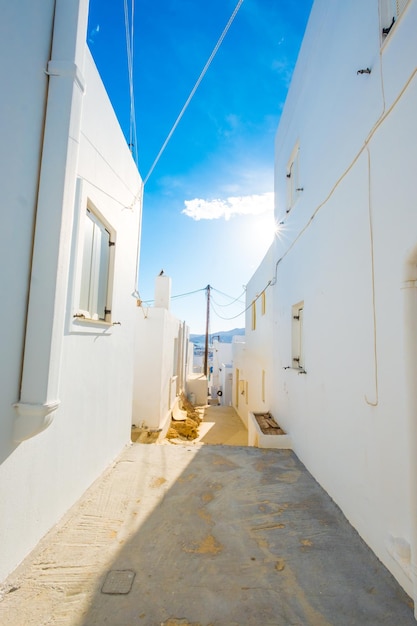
(93, 33)
(256, 204)
(284, 69)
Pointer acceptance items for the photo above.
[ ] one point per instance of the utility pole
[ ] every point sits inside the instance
(207, 332)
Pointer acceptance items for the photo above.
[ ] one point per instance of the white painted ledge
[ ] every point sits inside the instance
(32, 419)
(257, 439)
(66, 69)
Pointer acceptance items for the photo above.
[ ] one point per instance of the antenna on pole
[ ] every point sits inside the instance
(207, 332)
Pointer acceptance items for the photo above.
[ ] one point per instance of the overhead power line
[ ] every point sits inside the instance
(213, 305)
(180, 295)
(129, 31)
(194, 89)
(233, 317)
(232, 298)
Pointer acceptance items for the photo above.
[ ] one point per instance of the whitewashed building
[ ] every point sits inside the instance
(331, 330)
(71, 212)
(162, 356)
(222, 374)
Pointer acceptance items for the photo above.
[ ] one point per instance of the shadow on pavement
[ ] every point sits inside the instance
(241, 537)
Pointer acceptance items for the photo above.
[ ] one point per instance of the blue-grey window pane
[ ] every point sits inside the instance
(103, 275)
(87, 264)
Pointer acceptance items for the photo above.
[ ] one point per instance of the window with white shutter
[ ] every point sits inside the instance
(293, 179)
(297, 336)
(95, 292)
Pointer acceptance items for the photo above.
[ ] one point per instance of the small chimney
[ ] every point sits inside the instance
(162, 291)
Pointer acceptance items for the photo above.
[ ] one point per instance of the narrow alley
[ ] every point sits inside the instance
(203, 535)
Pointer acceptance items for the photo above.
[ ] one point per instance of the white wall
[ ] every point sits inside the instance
(22, 116)
(41, 477)
(255, 359)
(222, 355)
(197, 385)
(240, 380)
(342, 250)
(161, 361)
(226, 380)
(98, 361)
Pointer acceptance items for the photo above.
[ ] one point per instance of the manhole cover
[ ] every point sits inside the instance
(118, 581)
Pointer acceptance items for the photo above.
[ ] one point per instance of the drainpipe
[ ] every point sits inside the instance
(409, 287)
(39, 393)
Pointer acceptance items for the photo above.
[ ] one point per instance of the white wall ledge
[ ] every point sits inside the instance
(66, 69)
(257, 439)
(32, 419)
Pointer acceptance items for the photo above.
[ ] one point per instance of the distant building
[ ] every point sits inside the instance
(222, 374)
(331, 327)
(71, 210)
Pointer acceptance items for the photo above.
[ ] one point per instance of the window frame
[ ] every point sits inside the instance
(95, 293)
(293, 178)
(253, 309)
(297, 336)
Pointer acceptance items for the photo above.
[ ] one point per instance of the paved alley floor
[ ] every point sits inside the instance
(222, 425)
(198, 535)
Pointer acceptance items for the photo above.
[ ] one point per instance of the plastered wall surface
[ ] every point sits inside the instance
(341, 250)
(40, 478)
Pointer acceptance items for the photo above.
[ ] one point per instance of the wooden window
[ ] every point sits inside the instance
(297, 336)
(254, 315)
(293, 182)
(94, 300)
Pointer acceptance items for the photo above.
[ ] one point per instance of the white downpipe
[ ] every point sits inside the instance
(39, 394)
(410, 349)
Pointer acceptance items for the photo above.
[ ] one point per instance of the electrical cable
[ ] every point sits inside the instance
(133, 142)
(181, 295)
(228, 304)
(212, 306)
(384, 115)
(121, 179)
(129, 31)
(190, 293)
(122, 204)
(233, 317)
(259, 295)
(194, 89)
(231, 297)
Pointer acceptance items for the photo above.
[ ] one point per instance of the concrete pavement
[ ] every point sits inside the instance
(222, 425)
(198, 535)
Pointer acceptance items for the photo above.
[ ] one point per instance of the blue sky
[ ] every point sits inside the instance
(208, 204)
